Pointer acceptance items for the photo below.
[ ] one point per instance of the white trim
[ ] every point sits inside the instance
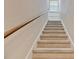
(35, 41)
(72, 44)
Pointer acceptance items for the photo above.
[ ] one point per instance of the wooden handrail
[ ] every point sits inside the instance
(14, 29)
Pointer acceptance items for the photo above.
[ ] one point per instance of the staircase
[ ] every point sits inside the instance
(53, 43)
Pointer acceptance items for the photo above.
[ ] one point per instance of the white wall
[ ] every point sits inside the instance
(18, 44)
(18, 11)
(67, 14)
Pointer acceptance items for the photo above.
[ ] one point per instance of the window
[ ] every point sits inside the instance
(54, 5)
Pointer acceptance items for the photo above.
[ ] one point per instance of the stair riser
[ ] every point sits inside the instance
(54, 23)
(54, 42)
(53, 46)
(53, 50)
(54, 26)
(53, 56)
(54, 34)
(54, 29)
(52, 37)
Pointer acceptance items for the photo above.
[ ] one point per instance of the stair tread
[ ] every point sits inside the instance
(54, 34)
(54, 31)
(56, 55)
(53, 56)
(53, 38)
(53, 26)
(54, 23)
(58, 45)
(56, 50)
(56, 28)
(53, 41)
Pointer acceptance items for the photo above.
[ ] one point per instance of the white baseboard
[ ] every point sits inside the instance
(27, 56)
(72, 44)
